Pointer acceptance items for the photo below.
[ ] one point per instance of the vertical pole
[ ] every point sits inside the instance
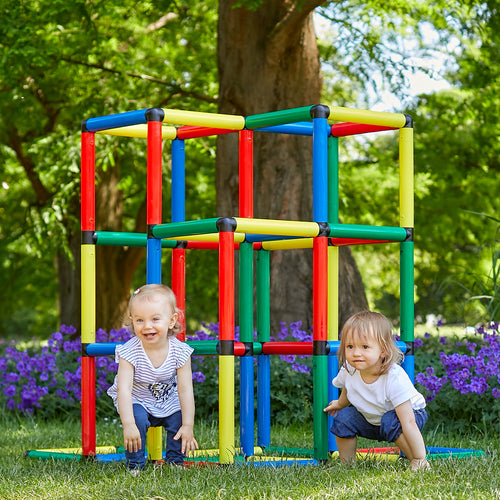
(247, 421)
(226, 333)
(406, 208)
(333, 275)
(319, 115)
(154, 117)
(320, 357)
(154, 194)
(179, 215)
(88, 291)
(246, 173)
(263, 361)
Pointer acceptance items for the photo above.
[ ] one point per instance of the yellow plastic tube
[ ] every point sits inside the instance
(154, 443)
(278, 227)
(333, 293)
(140, 131)
(226, 409)
(406, 204)
(340, 114)
(238, 237)
(88, 293)
(179, 117)
(288, 244)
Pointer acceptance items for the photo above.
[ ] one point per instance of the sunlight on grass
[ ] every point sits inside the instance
(23, 478)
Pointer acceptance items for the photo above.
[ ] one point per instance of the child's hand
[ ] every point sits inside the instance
(189, 443)
(333, 407)
(131, 438)
(419, 464)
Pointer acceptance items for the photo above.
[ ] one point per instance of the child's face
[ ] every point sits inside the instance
(152, 317)
(364, 353)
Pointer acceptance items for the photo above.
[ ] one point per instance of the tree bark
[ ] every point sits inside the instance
(115, 265)
(268, 60)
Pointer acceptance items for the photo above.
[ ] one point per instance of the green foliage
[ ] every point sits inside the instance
(457, 371)
(62, 64)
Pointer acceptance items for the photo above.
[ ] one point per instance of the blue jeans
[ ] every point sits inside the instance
(144, 420)
(349, 423)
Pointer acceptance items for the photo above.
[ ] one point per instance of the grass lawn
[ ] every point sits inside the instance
(25, 478)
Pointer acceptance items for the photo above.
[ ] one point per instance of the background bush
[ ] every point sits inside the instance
(458, 373)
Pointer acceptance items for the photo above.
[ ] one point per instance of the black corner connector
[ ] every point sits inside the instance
(410, 348)
(324, 229)
(409, 234)
(89, 238)
(409, 121)
(84, 126)
(320, 111)
(226, 224)
(155, 115)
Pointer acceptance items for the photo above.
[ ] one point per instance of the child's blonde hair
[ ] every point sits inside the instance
(154, 290)
(376, 326)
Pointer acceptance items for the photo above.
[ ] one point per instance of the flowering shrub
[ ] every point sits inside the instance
(460, 376)
(46, 380)
(291, 381)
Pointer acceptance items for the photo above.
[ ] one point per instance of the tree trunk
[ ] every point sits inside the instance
(268, 60)
(115, 266)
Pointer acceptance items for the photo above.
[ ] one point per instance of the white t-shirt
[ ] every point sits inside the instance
(153, 388)
(374, 400)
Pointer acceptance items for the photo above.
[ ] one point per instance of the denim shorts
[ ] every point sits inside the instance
(350, 423)
(144, 420)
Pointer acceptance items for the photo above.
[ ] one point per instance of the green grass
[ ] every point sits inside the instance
(24, 478)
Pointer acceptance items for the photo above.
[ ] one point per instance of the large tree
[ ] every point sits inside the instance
(268, 60)
(63, 63)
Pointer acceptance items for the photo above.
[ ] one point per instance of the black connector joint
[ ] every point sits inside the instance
(89, 238)
(410, 348)
(409, 121)
(319, 111)
(248, 348)
(409, 234)
(84, 350)
(321, 348)
(154, 115)
(226, 224)
(324, 229)
(225, 347)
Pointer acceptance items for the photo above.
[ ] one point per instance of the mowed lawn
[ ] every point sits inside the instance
(27, 478)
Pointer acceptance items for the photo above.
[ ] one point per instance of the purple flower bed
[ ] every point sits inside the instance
(460, 376)
(469, 367)
(46, 380)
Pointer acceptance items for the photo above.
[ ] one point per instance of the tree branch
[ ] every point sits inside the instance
(42, 194)
(175, 88)
(292, 20)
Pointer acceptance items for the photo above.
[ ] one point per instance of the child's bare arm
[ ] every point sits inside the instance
(411, 439)
(125, 378)
(337, 404)
(186, 398)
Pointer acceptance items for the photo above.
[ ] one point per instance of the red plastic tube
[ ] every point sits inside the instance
(348, 128)
(88, 182)
(154, 173)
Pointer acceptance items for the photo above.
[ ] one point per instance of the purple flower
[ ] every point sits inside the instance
(9, 390)
(198, 377)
